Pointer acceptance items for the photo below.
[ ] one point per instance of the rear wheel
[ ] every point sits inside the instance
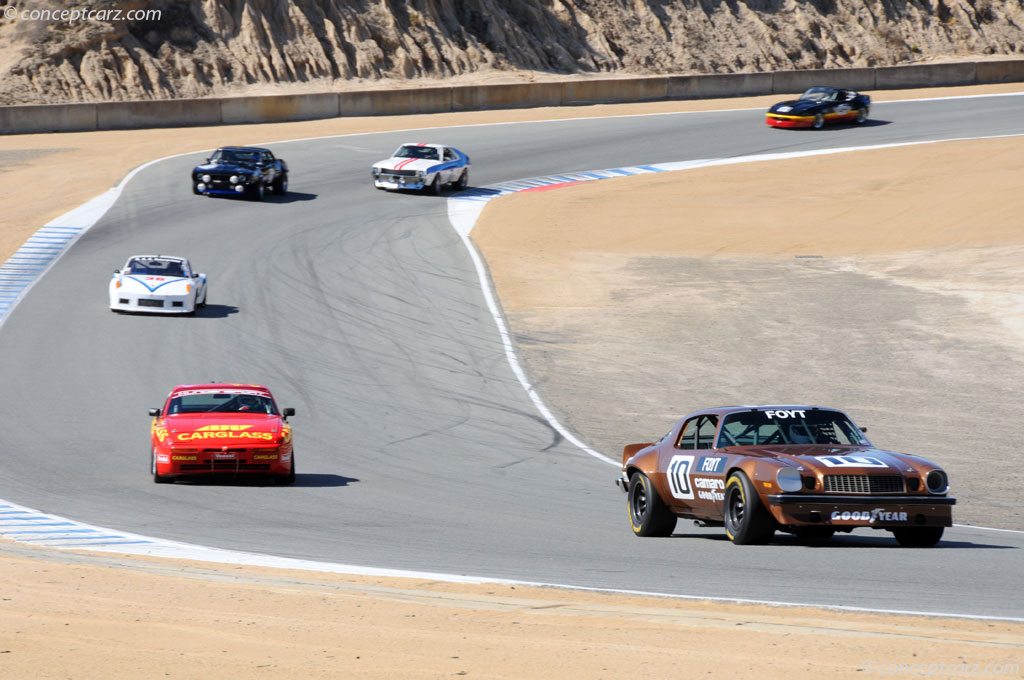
(918, 537)
(819, 121)
(463, 180)
(648, 514)
(157, 477)
(747, 522)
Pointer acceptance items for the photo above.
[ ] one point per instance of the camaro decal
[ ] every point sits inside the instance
(710, 488)
(851, 461)
(678, 479)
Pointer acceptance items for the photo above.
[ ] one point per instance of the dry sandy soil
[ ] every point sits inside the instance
(72, 615)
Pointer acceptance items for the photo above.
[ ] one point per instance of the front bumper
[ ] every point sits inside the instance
(383, 182)
(152, 304)
(779, 120)
(230, 464)
(861, 511)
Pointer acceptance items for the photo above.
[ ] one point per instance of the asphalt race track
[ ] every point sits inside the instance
(416, 446)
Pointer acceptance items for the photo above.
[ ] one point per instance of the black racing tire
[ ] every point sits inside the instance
(819, 121)
(463, 180)
(648, 514)
(157, 478)
(862, 116)
(918, 537)
(435, 186)
(256, 191)
(280, 185)
(288, 479)
(747, 522)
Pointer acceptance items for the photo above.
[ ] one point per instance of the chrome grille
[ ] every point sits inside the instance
(399, 173)
(864, 484)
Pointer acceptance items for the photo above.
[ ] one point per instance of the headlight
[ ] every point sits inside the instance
(376, 171)
(206, 178)
(233, 179)
(784, 109)
(789, 479)
(421, 173)
(937, 481)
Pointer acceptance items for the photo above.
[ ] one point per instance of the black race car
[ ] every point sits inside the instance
(820, 105)
(241, 171)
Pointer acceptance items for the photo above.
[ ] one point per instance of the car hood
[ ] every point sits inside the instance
(796, 107)
(396, 163)
(834, 460)
(225, 167)
(210, 430)
(154, 285)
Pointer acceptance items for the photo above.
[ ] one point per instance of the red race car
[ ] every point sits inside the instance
(221, 429)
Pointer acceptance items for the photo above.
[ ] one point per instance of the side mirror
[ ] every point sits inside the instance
(289, 411)
(207, 160)
(195, 275)
(155, 412)
(864, 429)
(117, 271)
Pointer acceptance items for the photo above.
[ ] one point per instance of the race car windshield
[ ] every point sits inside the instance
(789, 426)
(155, 268)
(231, 156)
(817, 94)
(222, 402)
(408, 151)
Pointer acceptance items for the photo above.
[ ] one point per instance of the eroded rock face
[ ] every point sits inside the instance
(216, 47)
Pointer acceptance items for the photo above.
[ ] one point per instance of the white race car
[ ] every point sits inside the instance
(422, 166)
(157, 284)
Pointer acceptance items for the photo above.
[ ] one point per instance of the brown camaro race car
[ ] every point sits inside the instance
(805, 470)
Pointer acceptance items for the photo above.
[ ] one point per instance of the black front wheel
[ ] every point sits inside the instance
(280, 185)
(862, 115)
(918, 537)
(747, 522)
(256, 191)
(648, 514)
(435, 186)
(819, 121)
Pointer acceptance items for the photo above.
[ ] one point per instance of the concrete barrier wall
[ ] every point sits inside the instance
(795, 82)
(47, 118)
(726, 85)
(192, 112)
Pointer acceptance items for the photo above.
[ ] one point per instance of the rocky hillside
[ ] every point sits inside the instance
(217, 47)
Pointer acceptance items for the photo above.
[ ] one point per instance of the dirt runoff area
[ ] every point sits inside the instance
(950, 293)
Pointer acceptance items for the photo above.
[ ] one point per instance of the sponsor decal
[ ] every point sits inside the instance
(183, 457)
(224, 432)
(220, 390)
(851, 461)
(678, 480)
(711, 464)
(786, 414)
(224, 454)
(709, 488)
(265, 456)
(160, 433)
(878, 514)
(162, 458)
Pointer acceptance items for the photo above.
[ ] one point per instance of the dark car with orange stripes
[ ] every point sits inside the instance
(819, 106)
(804, 470)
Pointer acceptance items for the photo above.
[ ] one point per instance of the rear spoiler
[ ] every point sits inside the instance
(630, 449)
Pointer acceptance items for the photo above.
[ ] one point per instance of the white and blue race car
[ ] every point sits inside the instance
(422, 166)
(158, 284)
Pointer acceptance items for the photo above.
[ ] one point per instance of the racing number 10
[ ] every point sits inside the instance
(678, 473)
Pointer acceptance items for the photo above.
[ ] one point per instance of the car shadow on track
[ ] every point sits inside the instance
(216, 311)
(290, 197)
(870, 122)
(308, 480)
(846, 541)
